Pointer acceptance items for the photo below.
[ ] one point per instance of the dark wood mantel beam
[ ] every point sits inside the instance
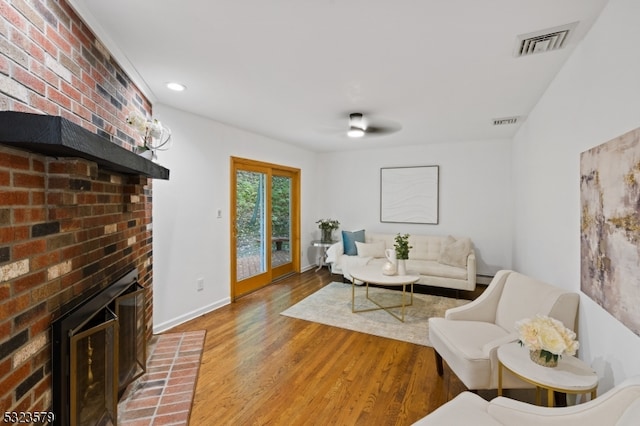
(58, 137)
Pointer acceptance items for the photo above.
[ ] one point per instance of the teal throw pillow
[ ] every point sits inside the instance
(349, 241)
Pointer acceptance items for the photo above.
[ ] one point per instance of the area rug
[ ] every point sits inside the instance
(164, 394)
(331, 305)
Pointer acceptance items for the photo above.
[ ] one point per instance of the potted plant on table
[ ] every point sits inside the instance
(327, 226)
(402, 252)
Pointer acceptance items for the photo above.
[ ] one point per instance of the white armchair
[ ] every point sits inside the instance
(618, 407)
(468, 336)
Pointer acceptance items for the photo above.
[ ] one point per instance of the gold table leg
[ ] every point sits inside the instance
(499, 378)
(379, 306)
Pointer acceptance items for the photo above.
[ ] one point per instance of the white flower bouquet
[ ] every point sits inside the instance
(547, 337)
(155, 136)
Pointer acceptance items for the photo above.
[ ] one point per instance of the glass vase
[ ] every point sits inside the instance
(540, 359)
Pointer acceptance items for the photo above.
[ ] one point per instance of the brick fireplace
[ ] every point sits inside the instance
(69, 226)
(74, 216)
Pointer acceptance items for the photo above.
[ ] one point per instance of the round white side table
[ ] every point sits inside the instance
(324, 246)
(571, 376)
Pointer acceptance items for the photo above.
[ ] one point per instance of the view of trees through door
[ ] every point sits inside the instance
(264, 224)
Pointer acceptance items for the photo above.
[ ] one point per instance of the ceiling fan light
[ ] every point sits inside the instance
(355, 132)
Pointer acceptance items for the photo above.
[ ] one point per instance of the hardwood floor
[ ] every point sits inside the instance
(260, 367)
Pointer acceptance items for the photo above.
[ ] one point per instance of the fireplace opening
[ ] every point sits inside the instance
(99, 349)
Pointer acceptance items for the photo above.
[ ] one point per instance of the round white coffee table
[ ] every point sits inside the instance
(374, 275)
(571, 376)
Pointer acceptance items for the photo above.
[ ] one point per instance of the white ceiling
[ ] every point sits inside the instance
(294, 69)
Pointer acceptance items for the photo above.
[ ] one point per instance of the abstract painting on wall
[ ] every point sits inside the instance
(409, 194)
(610, 227)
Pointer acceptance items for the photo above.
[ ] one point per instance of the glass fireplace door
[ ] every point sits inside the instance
(132, 342)
(93, 396)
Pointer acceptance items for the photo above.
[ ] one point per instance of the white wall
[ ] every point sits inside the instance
(475, 193)
(595, 98)
(189, 242)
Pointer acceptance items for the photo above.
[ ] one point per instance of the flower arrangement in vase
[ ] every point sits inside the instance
(155, 136)
(327, 226)
(547, 339)
(402, 252)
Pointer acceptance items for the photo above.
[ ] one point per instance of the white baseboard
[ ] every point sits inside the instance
(308, 268)
(167, 325)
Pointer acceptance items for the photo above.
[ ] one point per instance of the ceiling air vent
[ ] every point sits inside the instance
(543, 41)
(505, 120)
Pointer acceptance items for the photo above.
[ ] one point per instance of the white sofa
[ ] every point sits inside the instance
(441, 261)
(618, 407)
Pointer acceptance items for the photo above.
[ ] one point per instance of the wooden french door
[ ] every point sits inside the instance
(265, 226)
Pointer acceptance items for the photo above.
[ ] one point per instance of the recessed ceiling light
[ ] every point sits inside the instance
(177, 87)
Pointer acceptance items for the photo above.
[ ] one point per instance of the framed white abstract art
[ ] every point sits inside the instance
(409, 194)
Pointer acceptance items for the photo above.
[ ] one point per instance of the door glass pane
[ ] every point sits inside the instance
(280, 220)
(251, 224)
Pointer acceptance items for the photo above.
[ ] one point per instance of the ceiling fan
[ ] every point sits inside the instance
(359, 126)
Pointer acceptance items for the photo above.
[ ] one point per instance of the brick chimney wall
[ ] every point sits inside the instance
(67, 227)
